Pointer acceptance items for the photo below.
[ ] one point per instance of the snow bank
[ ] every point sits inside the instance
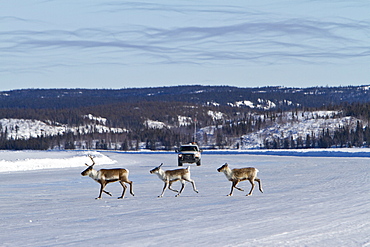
(35, 160)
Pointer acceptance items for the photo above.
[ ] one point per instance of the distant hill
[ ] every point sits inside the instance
(263, 97)
(165, 117)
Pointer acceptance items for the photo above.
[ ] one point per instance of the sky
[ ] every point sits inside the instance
(123, 44)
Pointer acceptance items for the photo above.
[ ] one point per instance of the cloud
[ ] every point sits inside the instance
(182, 8)
(252, 37)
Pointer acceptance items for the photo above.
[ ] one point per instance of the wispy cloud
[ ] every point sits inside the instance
(252, 37)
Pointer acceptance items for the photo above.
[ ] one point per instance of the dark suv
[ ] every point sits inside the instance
(189, 153)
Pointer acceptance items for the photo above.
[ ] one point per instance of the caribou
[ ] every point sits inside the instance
(106, 176)
(237, 175)
(171, 176)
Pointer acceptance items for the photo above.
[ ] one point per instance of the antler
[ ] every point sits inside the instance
(92, 159)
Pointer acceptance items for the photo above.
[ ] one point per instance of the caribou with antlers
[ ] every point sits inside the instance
(171, 176)
(106, 176)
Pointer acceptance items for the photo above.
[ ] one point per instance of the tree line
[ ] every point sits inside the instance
(226, 130)
(342, 137)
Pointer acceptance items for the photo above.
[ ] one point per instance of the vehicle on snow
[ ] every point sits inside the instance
(189, 153)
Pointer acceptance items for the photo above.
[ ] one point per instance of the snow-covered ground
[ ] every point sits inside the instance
(27, 128)
(308, 201)
(296, 129)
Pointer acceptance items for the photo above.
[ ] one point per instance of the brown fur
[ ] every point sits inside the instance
(237, 175)
(106, 176)
(171, 176)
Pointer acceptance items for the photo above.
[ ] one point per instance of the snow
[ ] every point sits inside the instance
(215, 115)
(213, 103)
(101, 120)
(34, 160)
(266, 104)
(153, 124)
(287, 125)
(242, 103)
(306, 123)
(262, 104)
(27, 128)
(184, 121)
(307, 201)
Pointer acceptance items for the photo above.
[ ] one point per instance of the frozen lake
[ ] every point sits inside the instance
(308, 201)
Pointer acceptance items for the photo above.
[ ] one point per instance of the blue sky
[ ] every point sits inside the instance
(121, 44)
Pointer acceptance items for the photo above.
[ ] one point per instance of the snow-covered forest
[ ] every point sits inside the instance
(214, 119)
(297, 129)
